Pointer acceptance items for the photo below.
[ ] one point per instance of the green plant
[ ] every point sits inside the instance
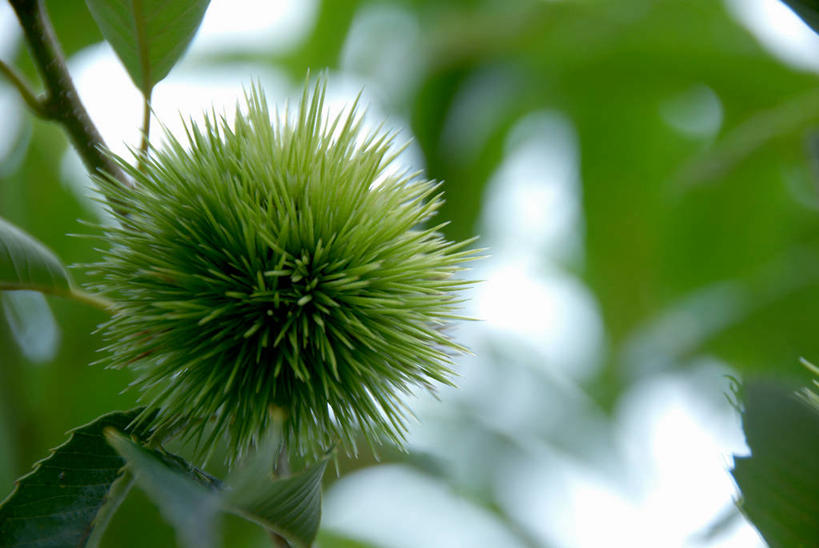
(266, 277)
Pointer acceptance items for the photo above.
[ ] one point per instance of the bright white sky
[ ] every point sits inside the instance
(674, 443)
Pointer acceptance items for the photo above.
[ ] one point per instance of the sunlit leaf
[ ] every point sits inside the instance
(780, 480)
(26, 263)
(57, 504)
(149, 36)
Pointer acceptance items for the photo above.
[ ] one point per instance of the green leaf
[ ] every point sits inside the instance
(780, 480)
(188, 505)
(289, 506)
(149, 36)
(58, 503)
(26, 263)
(191, 500)
(808, 10)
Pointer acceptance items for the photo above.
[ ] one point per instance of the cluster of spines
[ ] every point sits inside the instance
(276, 265)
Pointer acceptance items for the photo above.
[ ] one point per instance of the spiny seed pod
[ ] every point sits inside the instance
(277, 264)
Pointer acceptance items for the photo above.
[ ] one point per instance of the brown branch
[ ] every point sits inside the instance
(61, 103)
(25, 91)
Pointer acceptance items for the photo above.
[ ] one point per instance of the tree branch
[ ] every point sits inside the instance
(61, 102)
(25, 91)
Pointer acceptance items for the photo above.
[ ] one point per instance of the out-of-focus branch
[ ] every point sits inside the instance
(25, 91)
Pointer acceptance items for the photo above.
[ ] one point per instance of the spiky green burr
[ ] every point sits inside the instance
(276, 264)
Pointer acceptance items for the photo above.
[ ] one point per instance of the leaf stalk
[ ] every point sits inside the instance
(74, 294)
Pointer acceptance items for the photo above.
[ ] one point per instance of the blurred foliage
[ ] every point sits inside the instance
(707, 236)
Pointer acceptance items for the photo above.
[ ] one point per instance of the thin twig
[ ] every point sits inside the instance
(90, 299)
(62, 102)
(792, 115)
(72, 293)
(25, 91)
(146, 131)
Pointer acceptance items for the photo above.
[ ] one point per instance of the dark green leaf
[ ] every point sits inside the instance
(808, 10)
(26, 263)
(780, 480)
(57, 504)
(191, 500)
(149, 36)
(289, 506)
(188, 505)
